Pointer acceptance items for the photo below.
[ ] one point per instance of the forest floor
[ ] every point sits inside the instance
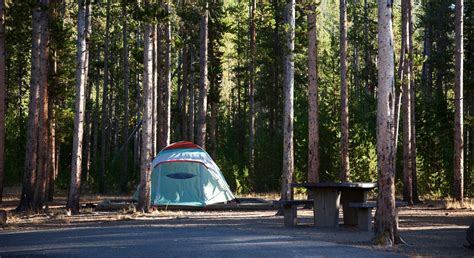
(429, 229)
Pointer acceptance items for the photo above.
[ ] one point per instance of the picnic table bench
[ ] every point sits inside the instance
(290, 210)
(364, 213)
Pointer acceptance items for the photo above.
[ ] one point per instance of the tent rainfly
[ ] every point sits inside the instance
(185, 175)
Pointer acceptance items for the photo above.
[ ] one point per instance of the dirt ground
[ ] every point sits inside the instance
(429, 229)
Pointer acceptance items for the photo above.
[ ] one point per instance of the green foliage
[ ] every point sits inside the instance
(229, 60)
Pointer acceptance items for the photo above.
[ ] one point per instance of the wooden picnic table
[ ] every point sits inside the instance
(329, 196)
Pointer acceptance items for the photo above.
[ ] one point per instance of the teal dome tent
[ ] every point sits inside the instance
(185, 175)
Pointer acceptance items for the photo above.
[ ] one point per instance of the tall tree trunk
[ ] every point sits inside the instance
(406, 104)
(313, 111)
(88, 104)
(167, 86)
(203, 81)
(415, 196)
(159, 84)
(31, 154)
(105, 95)
(252, 93)
(146, 157)
(184, 95)
(3, 88)
(344, 175)
(386, 231)
(52, 153)
(192, 90)
(80, 103)
(95, 139)
(288, 149)
(42, 170)
(458, 105)
(126, 82)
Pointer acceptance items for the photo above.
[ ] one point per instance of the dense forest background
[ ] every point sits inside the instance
(114, 87)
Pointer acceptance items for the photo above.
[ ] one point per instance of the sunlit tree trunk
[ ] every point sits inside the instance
(313, 111)
(184, 113)
(192, 90)
(288, 149)
(344, 175)
(167, 86)
(386, 231)
(203, 81)
(159, 84)
(458, 104)
(416, 198)
(406, 104)
(80, 105)
(146, 154)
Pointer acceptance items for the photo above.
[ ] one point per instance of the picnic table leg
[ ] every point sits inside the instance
(326, 207)
(290, 215)
(351, 214)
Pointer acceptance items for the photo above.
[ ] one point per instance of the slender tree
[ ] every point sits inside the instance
(416, 198)
(288, 156)
(344, 176)
(105, 95)
(167, 85)
(146, 154)
(80, 103)
(192, 90)
(458, 105)
(313, 111)
(253, 6)
(203, 81)
(386, 231)
(406, 104)
(126, 83)
(2, 96)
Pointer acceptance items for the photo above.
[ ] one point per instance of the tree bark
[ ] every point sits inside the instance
(252, 94)
(313, 111)
(2, 96)
(386, 231)
(203, 81)
(288, 149)
(344, 175)
(458, 104)
(192, 90)
(415, 196)
(80, 103)
(406, 104)
(42, 169)
(159, 84)
(31, 154)
(184, 95)
(167, 86)
(126, 82)
(52, 154)
(146, 157)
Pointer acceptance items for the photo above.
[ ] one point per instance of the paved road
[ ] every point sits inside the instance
(164, 239)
